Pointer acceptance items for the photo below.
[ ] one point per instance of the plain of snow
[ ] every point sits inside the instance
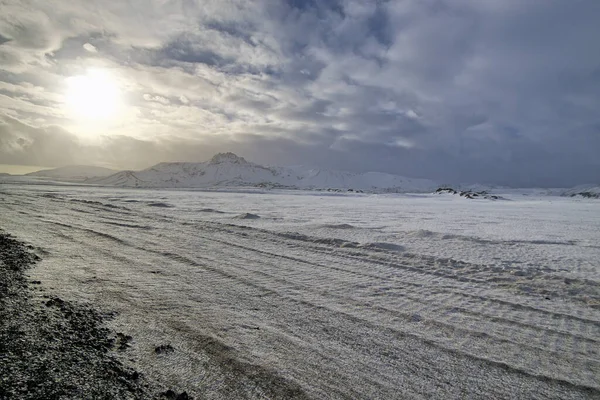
(281, 294)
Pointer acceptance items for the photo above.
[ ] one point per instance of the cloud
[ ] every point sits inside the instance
(90, 47)
(470, 90)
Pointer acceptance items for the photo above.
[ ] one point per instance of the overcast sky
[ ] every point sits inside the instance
(495, 91)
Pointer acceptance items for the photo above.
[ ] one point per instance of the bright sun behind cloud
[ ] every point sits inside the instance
(94, 96)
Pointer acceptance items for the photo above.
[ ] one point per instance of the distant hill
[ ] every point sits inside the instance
(586, 191)
(74, 172)
(468, 194)
(227, 169)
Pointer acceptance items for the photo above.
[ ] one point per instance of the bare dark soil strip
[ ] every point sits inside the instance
(53, 349)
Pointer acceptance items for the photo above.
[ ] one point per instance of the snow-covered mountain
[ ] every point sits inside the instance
(74, 172)
(227, 169)
(587, 191)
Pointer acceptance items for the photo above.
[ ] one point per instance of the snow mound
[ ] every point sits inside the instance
(337, 226)
(160, 204)
(247, 216)
(383, 246)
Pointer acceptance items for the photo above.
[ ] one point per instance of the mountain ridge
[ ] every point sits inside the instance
(228, 169)
(74, 172)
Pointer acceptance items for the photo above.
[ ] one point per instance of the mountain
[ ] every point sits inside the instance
(227, 169)
(587, 191)
(74, 172)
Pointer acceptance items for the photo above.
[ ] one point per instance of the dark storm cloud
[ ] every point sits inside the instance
(4, 39)
(469, 90)
(189, 49)
(22, 144)
(26, 145)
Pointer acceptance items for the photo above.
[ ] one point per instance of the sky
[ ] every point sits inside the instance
(504, 92)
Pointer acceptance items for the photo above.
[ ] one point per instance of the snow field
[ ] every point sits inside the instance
(295, 294)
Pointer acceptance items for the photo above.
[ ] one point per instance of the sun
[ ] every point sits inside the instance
(93, 96)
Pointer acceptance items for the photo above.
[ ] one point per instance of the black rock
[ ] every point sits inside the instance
(164, 349)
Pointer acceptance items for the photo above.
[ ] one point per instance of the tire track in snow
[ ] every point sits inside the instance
(340, 253)
(229, 244)
(264, 286)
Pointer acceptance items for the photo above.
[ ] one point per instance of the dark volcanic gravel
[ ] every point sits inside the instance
(54, 349)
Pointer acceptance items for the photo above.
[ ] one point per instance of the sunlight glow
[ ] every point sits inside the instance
(94, 96)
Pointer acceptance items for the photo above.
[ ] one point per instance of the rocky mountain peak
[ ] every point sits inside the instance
(228, 157)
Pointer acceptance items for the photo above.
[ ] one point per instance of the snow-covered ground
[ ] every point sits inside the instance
(285, 294)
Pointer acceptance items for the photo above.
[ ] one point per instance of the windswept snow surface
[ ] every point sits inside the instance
(331, 296)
